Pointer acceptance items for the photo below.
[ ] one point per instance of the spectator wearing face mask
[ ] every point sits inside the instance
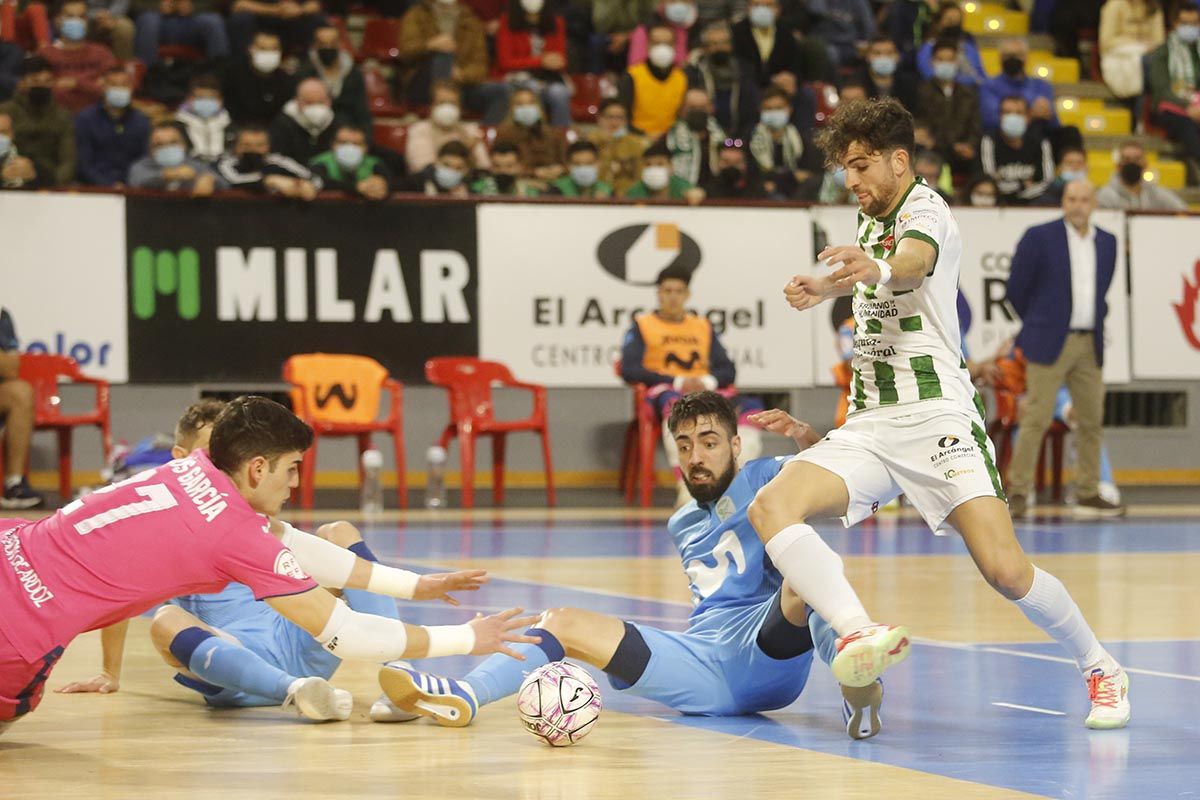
(531, 51)
(947, 29)
(845, 25)
(1018, 155)
(653, 91)
(334, 67)
(659, 183)
(776, 52)
(1128, 30)
(833, 188)
(76, 62)
(205, 119)
(790, 167)
(43, 131)
(728, 81)
(734, 180)
(1037, 93)
(612, 25)
(695, 139)
(1173, 71)
(305, 127)
(193, 23)
(930, 167)
(950, 110)
(255, 87)
(444, 124)
(981, 193)
(620, 149)
(1128, 188)
(16, 171)
(886, 77)
(446, 176)
(168, 168)
(252, 167)
(508, 175)
(583, 174)
(111, 135)
(678, 15)
(1072, 166)
(444, 40)
(348, 167)
(10, 69)
(543, 149)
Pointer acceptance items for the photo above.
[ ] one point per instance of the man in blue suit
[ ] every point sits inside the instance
(1061, 272)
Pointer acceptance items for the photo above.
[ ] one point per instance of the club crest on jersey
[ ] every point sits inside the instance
(286, 564)
(890, 242)
(947, 441)
(725, 508)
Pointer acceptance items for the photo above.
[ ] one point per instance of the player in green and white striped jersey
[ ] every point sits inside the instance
(915, 426)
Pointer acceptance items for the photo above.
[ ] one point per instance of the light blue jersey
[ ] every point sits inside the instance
(723, 557)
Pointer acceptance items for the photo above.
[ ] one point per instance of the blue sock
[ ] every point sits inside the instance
(499, 676)
(824, 638)
(361, 550)
(223, 663)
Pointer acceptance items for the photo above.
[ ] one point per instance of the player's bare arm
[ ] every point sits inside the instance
(909, 265)
(349, 634)
(784, 424)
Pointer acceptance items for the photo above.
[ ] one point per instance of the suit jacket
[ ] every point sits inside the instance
(1039, 288)
(807, 60)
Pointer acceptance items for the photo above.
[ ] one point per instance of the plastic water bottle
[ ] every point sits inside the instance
(372, 482)
(435, 480)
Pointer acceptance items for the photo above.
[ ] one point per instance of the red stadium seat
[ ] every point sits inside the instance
(180, 52)
(585, 103)
(43, 371)
(469, 382)
(391, 135)
(381, 39)
(360, 382)
(379, 94)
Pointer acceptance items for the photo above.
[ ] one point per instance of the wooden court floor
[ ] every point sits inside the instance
(984, 709)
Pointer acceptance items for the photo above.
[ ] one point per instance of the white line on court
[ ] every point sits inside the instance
(1042, 657)
(1034, 709)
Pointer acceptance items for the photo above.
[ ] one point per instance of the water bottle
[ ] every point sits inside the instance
(372, 482)
(435, 481)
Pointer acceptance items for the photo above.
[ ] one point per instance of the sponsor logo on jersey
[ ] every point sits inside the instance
(890, 242)
(30, 581)
(951, 474)
(947, 441)
(286, 565)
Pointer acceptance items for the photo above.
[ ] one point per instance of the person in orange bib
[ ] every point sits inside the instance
(674, 352)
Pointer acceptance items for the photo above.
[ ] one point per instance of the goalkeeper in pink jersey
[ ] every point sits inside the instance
(191, 526)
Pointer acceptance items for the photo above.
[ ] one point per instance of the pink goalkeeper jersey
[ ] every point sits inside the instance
(180, 529)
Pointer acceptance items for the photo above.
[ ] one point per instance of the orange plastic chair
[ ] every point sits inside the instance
(641, 439)
(43, 372)
(469, 382)
(340, 395)
(1008, 392)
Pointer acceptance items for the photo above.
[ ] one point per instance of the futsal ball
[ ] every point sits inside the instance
(559, 704)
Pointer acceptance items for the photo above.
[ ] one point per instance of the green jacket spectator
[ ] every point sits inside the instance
(677, 189)
(567, 187)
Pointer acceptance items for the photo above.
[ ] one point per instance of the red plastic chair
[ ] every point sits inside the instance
(585, 103)
(381, 39)
(469, 382)
(43, 372)
(340, 395)
(391, 135)
(637, 455)
(379, 94)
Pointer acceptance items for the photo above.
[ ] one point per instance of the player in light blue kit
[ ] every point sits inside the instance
(750, 639)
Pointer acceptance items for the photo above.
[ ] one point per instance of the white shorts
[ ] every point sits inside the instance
(939, 459)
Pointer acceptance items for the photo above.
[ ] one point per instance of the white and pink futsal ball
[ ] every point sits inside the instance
(559, 703)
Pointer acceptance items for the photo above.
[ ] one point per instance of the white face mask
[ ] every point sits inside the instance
(662, 55)
(266, 60)
(318, 115)
(533, 6)
(656, 178)
(445, 115)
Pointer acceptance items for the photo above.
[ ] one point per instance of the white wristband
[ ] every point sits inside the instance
(710, 382)
(392, 582)
(885, 272)
(450, 640)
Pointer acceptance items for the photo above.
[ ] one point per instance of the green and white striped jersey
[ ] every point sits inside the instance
(907, 346)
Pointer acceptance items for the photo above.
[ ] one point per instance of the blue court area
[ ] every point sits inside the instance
(1006, 715)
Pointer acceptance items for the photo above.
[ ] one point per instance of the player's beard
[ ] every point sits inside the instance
(879, 205)
(708, 492)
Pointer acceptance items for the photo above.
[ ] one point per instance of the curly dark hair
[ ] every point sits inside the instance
(879, 125)
(703, 404)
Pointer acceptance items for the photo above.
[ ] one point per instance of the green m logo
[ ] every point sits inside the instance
(166, 272)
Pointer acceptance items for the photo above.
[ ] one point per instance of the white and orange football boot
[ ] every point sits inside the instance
(863, 655)
(1108, 689)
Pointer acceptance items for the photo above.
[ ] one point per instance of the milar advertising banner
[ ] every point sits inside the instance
(560, 286)
(1166, 297)
(229, 290)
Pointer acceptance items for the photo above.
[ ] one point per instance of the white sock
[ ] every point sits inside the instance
(814, 572)
(12, 480)
(1049, 606)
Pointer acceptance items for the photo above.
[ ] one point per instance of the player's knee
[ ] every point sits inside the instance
(770, 511)
(562, 622)
(341, 533)
(16, 395)
(168, 621)
(1010, 577)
